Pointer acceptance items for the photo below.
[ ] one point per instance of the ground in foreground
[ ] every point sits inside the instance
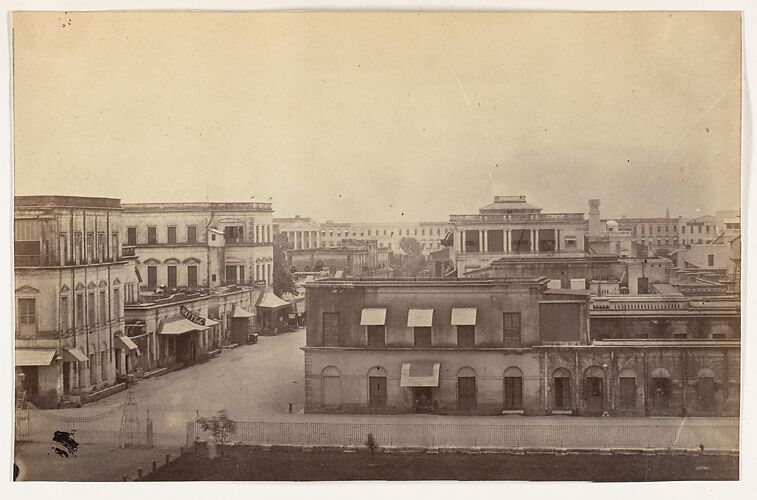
(242, 463)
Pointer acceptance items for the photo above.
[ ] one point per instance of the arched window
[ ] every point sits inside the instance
(627, 378)
(331, 387)
(660, 388)
(377, 387)
(561, 388)
(466, 388)
(706, 389)
(513, 390)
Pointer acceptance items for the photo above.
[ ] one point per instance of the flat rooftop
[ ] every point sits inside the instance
(55, 201)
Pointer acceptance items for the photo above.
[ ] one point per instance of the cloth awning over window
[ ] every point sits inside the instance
(420, 374)
(420, 317)
(181, 325)
(125, 342)
(34, 357)
(373, 317)
(464, 316)
(210, 322)
(73, 355)
(240, 312)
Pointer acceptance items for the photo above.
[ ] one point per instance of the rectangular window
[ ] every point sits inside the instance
(63, 249)
(171, 275)
(101, 247)
(103, 316)
(627, 392)
(27, 311)
(78, 248)
(711, 260)
(376, 336)
(471, 241)
(131, 236)
(90, 247)
(495, 240)
(233, 234)
(330, 329)
(513, 393)
(680, 336)
(171, 235)
(64, 314)
(152, 277)
(92, 319)
(511, 328)
(191, 234)
(570, 241)
(114, 253)
(466, 336)
(79, 310)
(192, 276)
(152, 235)
(718, 336)
(231, 274)
(117, 303)
(422, 336)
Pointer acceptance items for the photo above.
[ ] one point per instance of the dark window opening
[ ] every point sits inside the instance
(152, 235)
(191, 234)
(171, 235)
(520, 240)
(330, 329)
(627, 392)
(471, 241)
(376, 336)
(495, 240)
(466, 393)
(513, 393)
(131, 236)
(422, 336)
(233, 234)
(466, 336)
(547, 240)
(562, 392)
(511, 329)
(171, 277)
(152, 277)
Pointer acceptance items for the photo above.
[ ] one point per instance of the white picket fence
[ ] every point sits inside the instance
(685, 434)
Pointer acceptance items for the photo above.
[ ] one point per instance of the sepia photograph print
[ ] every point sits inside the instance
(364, 245)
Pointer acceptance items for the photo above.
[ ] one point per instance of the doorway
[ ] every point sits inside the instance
(660, 393)
(466, 393)
(594, 393)
(422, 400)
(377, 392)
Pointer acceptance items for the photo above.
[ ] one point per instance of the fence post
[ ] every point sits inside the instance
(154, 467)
(148, 431)
(139, 472)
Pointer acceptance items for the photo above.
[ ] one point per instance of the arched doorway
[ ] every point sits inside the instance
(513, 389)
(594, 390)
(466, 389)
(706, 389)
(331, 387)
(660, 388)
(561, 389)
(377, 387)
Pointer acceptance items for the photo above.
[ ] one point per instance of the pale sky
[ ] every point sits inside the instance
(382, 117)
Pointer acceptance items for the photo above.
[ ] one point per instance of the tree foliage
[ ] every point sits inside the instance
(412, 263)
(220, 426)
(282, 278)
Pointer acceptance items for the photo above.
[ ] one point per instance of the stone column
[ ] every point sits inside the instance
(480, 241)
(508, 241)
(485, 246)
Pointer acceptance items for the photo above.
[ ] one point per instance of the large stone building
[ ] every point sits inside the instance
(349, 258)
(511, 227)
(201, 245)
(491, 346)
(72, 280)
(304, 233)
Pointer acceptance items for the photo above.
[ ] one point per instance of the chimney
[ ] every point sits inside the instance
(595, 226)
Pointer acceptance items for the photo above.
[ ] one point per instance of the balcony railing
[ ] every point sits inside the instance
(128, 251)
(576, 217)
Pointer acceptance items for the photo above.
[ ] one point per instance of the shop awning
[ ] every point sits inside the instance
(125, 342)
(34, 357)
(181, 325)
(373, 317)
(420, 317)
(210, 322)
(240, 312)
(420, 374)
(271, 301)
(73, 355)
(464, 316)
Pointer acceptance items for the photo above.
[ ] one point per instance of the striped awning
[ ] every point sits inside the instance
(419, 317)
(34, 357)
(420, 374)
(373, 317)
(464, 316)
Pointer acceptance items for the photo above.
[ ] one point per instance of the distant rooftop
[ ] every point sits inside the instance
(201, 206)
(509, 205)
(66, 201)
(428, 282)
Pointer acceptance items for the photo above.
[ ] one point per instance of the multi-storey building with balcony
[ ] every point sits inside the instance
(350, 258)
(492, 346)
(512, 228)
(304, 233)
(201, 245)
(72, 280)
